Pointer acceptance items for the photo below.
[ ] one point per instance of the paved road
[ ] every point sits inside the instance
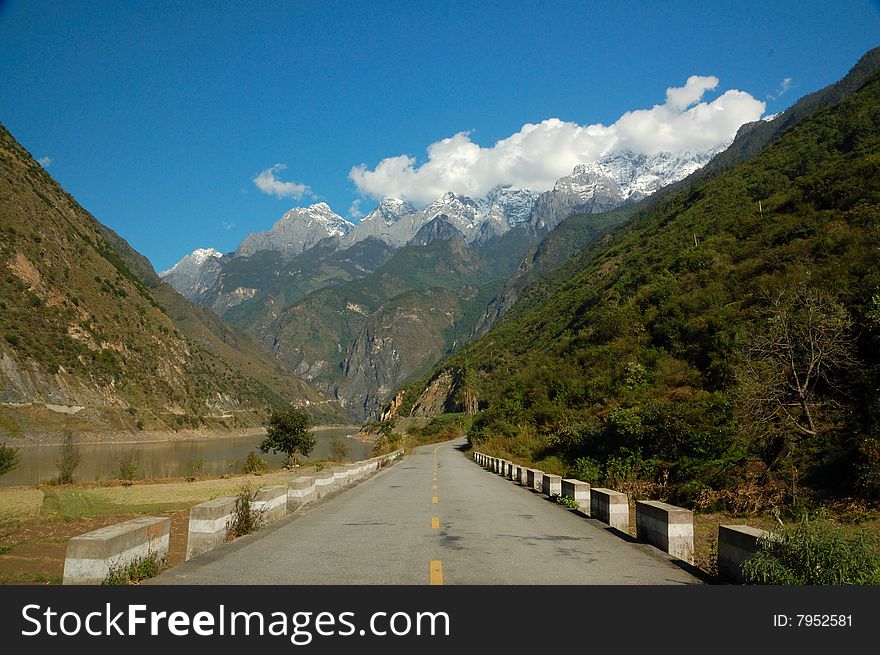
(436, 517)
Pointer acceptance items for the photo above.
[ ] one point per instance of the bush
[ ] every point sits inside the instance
(127, 468)
(586, 470)
(815, 552)
(339, 450)
(255, 464)
(9, 458)
(245, 519)
(68, 459)
(568, 501)
(135, 571)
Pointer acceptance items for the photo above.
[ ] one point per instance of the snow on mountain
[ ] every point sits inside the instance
(297, 231)
(613, 180)
(195, 273)
(384, 223)
(593, 187)
(641, 175)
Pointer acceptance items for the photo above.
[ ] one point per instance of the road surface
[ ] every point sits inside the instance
(435, 517)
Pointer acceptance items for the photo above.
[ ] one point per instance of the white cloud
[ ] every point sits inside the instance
(784, 86)
(539, 154)
(228, 226)
(268, 183)
(355, 210)
(45, 162)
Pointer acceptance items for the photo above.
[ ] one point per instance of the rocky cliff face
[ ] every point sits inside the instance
(590, 189)
(298, 230)
(88, 329)
(438, 228)
(438, 396)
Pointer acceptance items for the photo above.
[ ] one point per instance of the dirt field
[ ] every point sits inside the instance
(36, 523)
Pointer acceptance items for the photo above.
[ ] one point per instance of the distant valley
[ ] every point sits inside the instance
(359, 309)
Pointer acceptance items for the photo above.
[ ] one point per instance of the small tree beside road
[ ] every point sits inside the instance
(287, 431)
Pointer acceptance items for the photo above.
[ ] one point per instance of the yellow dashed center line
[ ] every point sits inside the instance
(435, 569)
(435, 575)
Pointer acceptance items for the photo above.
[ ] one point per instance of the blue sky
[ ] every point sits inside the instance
(158, 116)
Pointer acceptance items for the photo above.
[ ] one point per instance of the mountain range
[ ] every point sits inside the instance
(676, 353)
(613, 180)
(373, 329)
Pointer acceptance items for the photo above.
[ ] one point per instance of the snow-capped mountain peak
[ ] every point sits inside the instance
(389, 210)
(297, 230)
(194, 260)
(194, 273)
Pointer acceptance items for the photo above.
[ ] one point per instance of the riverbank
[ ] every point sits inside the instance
(151, 436)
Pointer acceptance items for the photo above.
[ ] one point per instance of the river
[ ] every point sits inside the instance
(162, 459)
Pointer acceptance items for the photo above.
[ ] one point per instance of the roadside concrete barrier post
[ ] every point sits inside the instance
(669, 528)
(611, 507)
(324, 483)
(551, 485)
(736, 544)
(209, 525)
(535, 479)
(92, 555)
(578, 490)
(300, 491)
(271, 502)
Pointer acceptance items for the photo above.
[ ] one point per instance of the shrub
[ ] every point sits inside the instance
(9, 458)
(245, 519)
(127, 468)
(255, 464)
(815, 552)
(68, 459)
(568, 501)
(338, 450)
(134, 572)
(586, 470)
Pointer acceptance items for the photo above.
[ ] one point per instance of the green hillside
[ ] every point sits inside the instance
(684, 351)
(358, 340)
(85, 324)
(281, 282)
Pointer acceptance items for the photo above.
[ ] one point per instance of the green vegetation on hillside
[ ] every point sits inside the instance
(84, 319)
(657, 356)
(418, 306)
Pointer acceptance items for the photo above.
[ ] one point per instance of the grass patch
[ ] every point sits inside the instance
(816, 552)
(7, 577)
(74, 504)
(136, 571)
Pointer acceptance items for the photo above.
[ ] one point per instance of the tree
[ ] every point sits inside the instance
(9, 458)
(287, 431)
(797, 353)
(792, 366)
(338, 450)
(68, 459)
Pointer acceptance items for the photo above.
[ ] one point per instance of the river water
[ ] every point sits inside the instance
(161, 459)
